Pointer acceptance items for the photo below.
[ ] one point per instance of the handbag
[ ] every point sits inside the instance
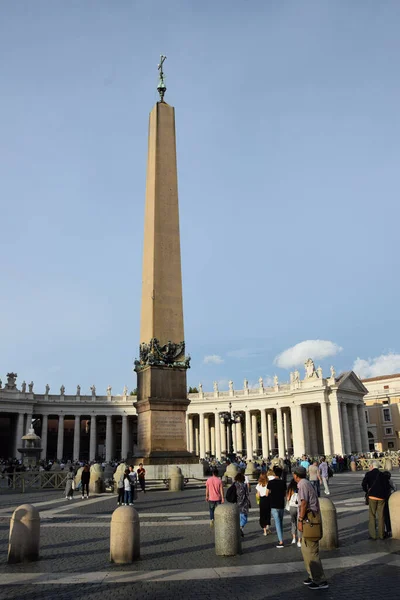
(73, 484)
(257, 498)
(312, 526)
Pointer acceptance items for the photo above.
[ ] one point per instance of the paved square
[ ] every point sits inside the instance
(177, 552)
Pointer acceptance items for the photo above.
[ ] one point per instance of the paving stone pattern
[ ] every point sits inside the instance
(76, 541)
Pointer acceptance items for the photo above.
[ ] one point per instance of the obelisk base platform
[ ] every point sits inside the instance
(161, 408)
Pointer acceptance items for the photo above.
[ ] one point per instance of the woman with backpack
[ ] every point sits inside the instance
(242, 499)
(292, 505)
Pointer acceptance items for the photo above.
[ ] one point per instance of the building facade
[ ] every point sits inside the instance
(316, 415)
(382, 409)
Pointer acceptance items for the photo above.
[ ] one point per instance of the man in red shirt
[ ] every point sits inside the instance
(214, 493)
(141, 473)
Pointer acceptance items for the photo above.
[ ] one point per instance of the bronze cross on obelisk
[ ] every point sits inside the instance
(161, 88)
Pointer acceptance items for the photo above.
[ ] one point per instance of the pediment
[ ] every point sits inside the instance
(350, 382)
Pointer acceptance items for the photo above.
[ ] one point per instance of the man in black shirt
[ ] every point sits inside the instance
(376, 485)
(277, 494)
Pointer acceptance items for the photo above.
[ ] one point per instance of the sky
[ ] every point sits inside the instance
(288, 152)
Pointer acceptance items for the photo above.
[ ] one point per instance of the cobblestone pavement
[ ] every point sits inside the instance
(177, 552)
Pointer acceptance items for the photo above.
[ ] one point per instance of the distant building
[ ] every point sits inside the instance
(382, 411)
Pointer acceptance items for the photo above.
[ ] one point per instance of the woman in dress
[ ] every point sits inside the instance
(69, 484)
(243, 500)
(292, 504)
(264, 503)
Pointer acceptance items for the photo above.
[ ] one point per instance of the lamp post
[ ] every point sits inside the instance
(229, 418)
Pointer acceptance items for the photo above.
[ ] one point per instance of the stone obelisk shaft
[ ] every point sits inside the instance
(162, 307)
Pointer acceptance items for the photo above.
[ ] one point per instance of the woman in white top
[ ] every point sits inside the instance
(264, 503)
(292, 505)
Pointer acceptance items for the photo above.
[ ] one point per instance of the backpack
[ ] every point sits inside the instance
(231, 494)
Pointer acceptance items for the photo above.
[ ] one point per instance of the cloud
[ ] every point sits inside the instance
(298, 354)
(385, 364)
(213, 359)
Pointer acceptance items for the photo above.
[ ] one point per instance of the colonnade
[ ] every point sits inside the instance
(24, 420)
(314, 428)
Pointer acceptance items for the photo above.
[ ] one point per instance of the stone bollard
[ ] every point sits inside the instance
(24, 538)
(394, 512)
(388, 465)
(96, 483)
(175, 479)
(230, 473)
(124, 535)
(227, 530)
(353, 466)
(251, 470)
(330, 536)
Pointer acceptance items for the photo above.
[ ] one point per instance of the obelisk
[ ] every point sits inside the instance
(161, 369)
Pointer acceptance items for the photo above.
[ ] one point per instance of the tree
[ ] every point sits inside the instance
(133, 392)
(193, 390)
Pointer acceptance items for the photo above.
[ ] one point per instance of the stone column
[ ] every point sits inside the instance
(287, 430)
(239, 441)
(363, 428)
(338, 446)
(298, 430)
(28, 422)
(124, 438)
(197, 438)
(307, 445)
(326, 434)
(249, 445)
(60, 437)
(109, 436)
(212, 439)
(77, 437)
(271, 437)
(346, 429)
(207, 434)
(264, 433)
(202, 451)
(45, 426)
(312, 430)
(254, 433)
(93, 438)
(217, 437)
(18, 434)
(224, 447)
(279, 427)
(356, 426)
(190, 427)
(233, 428)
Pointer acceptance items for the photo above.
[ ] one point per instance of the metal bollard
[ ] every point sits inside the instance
(23, 544)
(124, 535)
(227, 530)
(330, 536)
(394, 512)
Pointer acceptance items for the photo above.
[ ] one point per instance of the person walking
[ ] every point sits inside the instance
(85, 478)
(315, 477)
(292, 505)
(121, 490)
(376, 487)
(70, 484)
(277, 494)
(243, 500)
(309, 509)
(264, 503)
(323, 471)
(133, 480)
(141, 474)
(214, 493)
(127, 489)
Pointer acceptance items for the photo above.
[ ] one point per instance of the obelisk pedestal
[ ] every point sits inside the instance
(161, 369)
